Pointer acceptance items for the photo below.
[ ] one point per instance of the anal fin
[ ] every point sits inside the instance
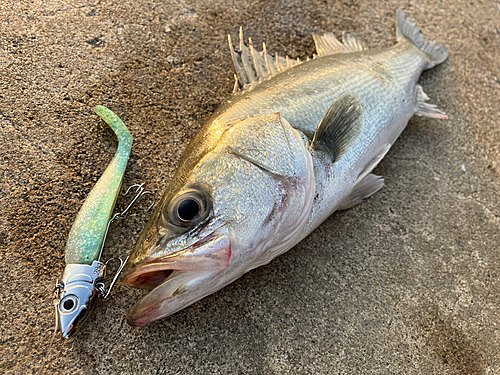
(363, 189)
(425, 109)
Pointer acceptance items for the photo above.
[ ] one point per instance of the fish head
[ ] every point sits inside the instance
(249, 195)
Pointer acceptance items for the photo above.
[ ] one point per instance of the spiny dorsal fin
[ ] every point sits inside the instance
(253, 66)
(339, 127)
(327, 44)
(425, 109)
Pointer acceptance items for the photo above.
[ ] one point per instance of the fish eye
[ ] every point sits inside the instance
(188, 208)
(68, 304)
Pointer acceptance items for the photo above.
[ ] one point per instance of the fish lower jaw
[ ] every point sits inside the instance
(170, 278)
(166, 298)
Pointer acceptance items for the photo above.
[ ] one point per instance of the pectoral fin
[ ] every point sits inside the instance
(340, 126)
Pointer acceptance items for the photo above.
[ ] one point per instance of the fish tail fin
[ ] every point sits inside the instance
(407, 29)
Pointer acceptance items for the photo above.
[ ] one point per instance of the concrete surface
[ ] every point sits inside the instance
(405, 283)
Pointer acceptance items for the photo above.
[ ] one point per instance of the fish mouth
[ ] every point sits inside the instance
(148, 276)
(169, 278)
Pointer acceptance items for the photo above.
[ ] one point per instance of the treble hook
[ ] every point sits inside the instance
(101, 288)
(140, 192)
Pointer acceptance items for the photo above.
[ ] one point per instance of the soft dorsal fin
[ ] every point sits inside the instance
(253, 66)
(327, 44)
(339, 127)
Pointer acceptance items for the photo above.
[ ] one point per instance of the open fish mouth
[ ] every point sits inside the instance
(149, 277)
(171, 276)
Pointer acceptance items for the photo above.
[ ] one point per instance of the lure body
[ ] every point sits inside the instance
(87, 233)
(83, 271)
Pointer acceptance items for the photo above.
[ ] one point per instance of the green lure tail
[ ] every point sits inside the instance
(89, 229)
(81, 283)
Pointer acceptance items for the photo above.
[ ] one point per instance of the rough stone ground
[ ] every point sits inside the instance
(405, 283)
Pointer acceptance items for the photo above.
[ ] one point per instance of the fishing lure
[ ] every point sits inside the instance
(82, 281)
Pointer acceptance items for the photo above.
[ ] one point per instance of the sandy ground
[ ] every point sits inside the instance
(405, 283)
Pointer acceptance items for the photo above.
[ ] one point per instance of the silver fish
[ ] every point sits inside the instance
(297, 143)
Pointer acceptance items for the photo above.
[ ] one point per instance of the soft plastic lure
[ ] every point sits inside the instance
(82, 280)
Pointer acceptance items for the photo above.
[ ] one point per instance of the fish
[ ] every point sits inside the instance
(296, 143)
(81, 282)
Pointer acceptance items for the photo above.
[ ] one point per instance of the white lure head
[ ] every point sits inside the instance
(78, 295)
